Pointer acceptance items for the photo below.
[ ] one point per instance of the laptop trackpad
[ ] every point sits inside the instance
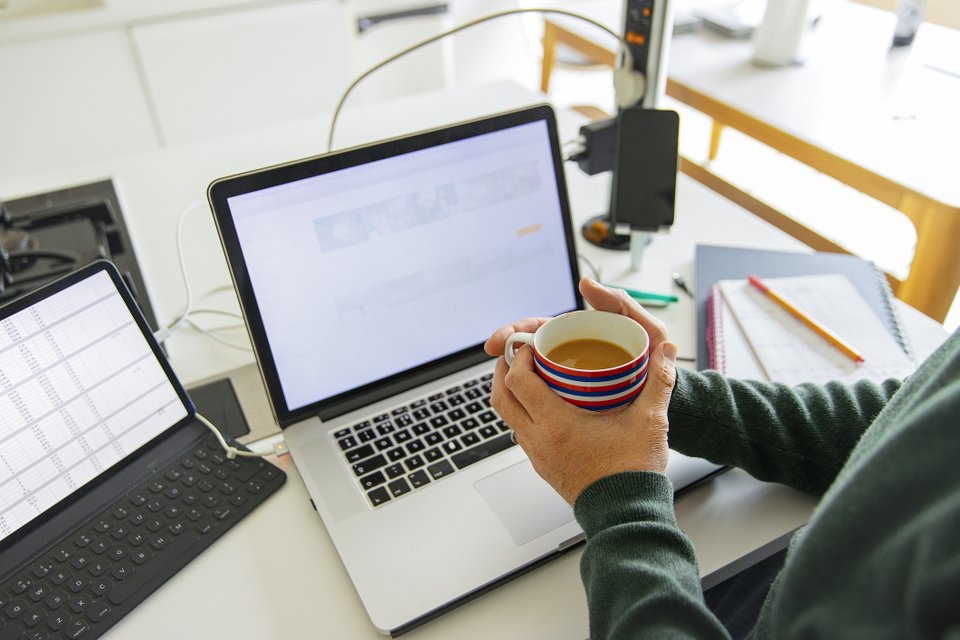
(526, 505)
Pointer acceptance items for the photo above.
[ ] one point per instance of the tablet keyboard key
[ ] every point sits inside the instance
(33, 617)
(75, 629)
(98, 611)
(38, 592)
(100, 587)
(57, 620)
(15, 609)
(56, 599)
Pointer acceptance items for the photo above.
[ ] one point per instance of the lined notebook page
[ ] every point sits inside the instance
(789, 351)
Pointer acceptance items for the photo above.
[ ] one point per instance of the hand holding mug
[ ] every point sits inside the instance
(571, 448)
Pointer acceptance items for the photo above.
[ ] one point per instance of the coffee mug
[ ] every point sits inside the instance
(593, 359)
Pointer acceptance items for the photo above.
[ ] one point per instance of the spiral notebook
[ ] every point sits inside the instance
(754, 337)
(715, 263)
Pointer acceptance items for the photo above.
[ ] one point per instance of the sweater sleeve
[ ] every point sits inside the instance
(798, 436)
(638, 567)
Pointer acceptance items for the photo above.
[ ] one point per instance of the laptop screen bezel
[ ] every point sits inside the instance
(221, 190)
(27, 300)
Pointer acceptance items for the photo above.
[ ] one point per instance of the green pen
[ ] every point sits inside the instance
(645, 295)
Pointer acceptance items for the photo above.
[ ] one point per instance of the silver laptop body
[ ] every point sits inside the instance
(369, 279)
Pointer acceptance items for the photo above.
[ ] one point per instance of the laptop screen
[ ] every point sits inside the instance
(81, 388)
(373, 269)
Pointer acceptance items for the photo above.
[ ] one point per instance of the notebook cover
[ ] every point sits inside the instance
(714, 263)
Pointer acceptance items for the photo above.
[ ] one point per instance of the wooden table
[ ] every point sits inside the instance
(880, 120)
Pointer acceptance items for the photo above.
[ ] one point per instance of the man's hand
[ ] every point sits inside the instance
(571, 448)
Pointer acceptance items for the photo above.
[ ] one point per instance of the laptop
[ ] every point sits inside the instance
(108, 487)
(369, 279)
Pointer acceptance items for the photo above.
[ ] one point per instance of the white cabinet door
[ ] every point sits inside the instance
(70, 100)
(395, 27)
(238, 70)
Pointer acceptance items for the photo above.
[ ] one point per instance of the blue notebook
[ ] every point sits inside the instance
(715, 263)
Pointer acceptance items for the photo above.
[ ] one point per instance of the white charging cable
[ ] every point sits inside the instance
(621, 81)
(188, 310)
(232, 452)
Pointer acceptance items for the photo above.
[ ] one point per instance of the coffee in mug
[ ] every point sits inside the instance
(589, 353)
(593, 359)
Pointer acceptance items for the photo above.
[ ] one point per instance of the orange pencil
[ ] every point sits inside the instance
(828, 335)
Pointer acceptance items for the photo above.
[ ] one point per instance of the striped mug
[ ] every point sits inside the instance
(592, 388)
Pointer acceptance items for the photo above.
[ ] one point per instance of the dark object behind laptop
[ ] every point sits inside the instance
(645, 171)
(217, 402)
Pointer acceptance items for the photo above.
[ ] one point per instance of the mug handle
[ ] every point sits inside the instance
(521, 337)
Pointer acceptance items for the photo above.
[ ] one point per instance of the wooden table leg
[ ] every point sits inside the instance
(549, 55)
(934, 277)
(716, 129)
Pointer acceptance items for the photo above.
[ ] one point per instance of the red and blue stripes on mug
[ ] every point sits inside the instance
(595, 389)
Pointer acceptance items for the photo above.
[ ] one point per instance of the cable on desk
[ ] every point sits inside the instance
(626, 59)
(232, 452)
(593, 268)
(185, 316)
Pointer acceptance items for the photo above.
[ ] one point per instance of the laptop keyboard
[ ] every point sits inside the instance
(89, 580)
(415, 444)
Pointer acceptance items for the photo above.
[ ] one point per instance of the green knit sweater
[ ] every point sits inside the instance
(880, 558)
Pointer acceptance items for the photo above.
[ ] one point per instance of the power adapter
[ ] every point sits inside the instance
(599, 146)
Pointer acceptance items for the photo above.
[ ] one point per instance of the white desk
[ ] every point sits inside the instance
(277, 575)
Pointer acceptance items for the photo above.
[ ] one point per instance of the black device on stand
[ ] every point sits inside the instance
(643, 193)
(639, 144)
